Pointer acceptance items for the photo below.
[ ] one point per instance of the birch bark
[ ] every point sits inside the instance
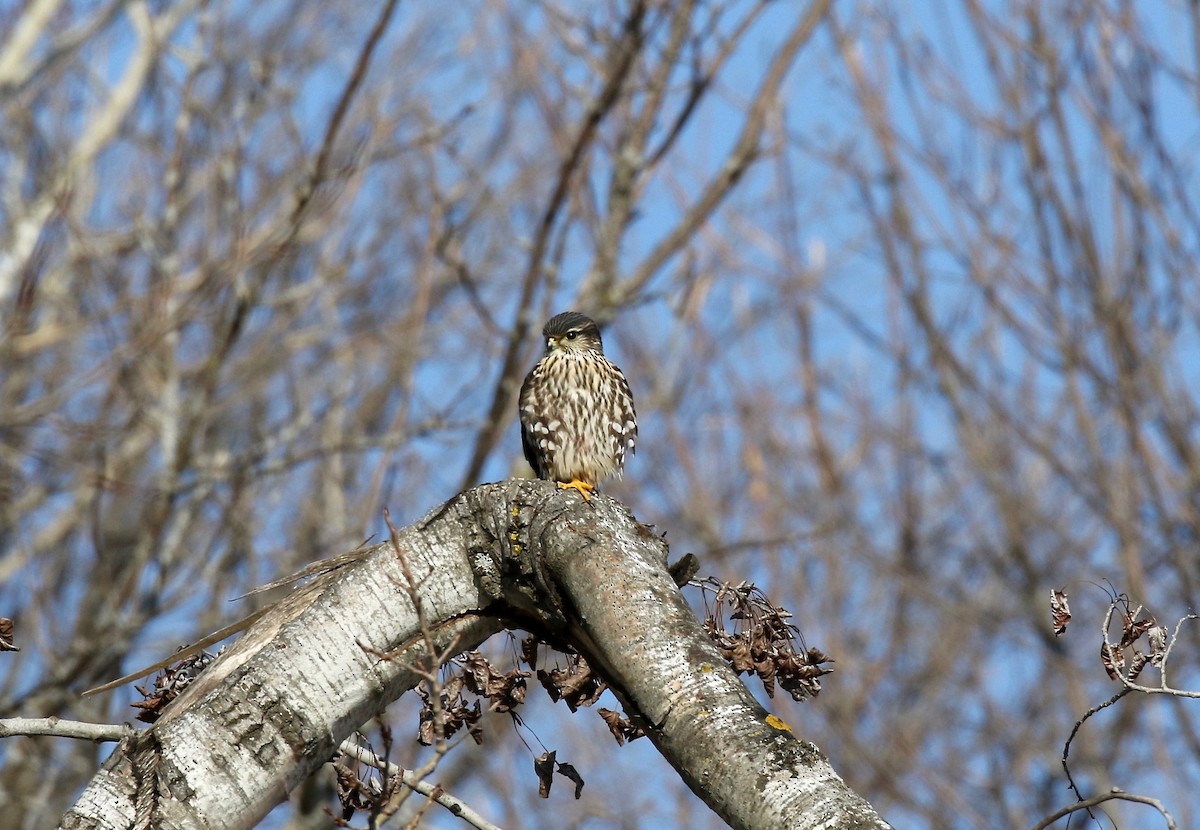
(513, 554)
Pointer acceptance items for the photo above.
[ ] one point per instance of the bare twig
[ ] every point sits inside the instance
(433, 658)
(98, 732)
(1078, 724)
(739, 159)
(27, 228)
(416, 782)
(333, 127)
(1111, 795)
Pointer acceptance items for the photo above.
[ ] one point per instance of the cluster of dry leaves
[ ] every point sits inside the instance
(474, 674)
(170, 684)
(1134, 626)
(762, 641)
(1136, 623)
(573, 682)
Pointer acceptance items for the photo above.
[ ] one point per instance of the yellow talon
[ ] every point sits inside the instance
(575, 484)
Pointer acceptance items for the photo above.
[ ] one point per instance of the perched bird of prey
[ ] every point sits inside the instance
(577, 418)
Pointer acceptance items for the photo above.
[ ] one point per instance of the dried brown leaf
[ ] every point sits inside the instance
(576, 683)
(425, 719)
(169, 684)
(543, 766)
(1157, 638)
(7, 642)
(1060, 611)
(529, 650)
(1113, 660)
(506, 691)
(456, 713)
(1133, 629)
(569, 772)
(352, 793)
(620, 726)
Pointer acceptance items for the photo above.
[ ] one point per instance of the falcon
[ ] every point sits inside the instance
(577, 418)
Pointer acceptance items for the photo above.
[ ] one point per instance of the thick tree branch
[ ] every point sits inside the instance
(517, 553)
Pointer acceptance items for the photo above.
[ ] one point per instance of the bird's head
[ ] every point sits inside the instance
(572, 333)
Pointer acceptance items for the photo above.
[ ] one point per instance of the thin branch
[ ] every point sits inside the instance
(353, 83)
(737, 162)
(413, 781)
(1078, 724)
(57, 727)
(99, 131)
(16, 79)
(427, 667)
(30, 27)
(1111, 795)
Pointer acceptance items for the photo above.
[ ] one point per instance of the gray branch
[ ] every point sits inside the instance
(57, 727)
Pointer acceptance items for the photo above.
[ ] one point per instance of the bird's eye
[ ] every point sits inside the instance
(571, 335)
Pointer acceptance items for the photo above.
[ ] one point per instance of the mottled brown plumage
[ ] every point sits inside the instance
(577, 417)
